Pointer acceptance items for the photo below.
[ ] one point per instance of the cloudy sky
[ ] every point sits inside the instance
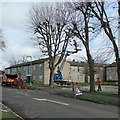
(14, 26)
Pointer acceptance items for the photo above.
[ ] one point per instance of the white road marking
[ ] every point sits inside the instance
(22, 93)
(39, 99)
(51, 101)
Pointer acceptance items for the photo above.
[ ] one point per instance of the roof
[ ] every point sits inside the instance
(112, 65)
(83, 64)
(28, 63)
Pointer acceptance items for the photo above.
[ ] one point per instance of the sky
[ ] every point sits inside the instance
(17, 38)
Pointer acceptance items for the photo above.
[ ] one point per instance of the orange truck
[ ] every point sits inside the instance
(11, 80)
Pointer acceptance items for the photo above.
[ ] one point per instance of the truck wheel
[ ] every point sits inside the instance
(61, 83)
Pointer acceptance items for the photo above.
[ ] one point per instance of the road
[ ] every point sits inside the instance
(105, 88)
(32, 104)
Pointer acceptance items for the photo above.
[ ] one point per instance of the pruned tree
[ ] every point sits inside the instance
(100, 12)
(48, 23)
(82, 27)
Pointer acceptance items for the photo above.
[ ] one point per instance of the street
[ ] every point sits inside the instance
(32, 104)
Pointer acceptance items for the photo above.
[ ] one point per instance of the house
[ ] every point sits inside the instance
(40, 73)
(79, 71)
(111, 72)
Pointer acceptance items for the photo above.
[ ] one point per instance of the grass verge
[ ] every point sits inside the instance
(40, 85)
(101, 93)
(96, 83)
(90, 98)
(6, 113)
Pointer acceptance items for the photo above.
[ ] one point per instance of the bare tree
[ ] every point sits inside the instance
(49, 26)
(100, 12)
(82, 27)
(2, 42)
(13, 61)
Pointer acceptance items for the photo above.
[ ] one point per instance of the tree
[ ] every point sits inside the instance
(2, 42)
(100, 12)
(81, 27)
(48, 23)
(21, 59)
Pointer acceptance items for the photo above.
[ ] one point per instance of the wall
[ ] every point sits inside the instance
(75, 74)
(112, 74)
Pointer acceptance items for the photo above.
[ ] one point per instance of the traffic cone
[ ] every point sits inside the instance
(36, 89)
(13, 86)
(25, 88)
(51, 91)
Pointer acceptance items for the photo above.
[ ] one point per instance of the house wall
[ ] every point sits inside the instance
(46, 73)
(112, 74)
(42, 75)
(65, 71)
(38, 73)
(77, 76)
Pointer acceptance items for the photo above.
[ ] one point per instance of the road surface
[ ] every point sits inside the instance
(32, 104)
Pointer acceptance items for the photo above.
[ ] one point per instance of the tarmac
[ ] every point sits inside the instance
(66, 89)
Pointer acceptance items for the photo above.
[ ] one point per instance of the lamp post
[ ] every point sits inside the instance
(31, 70)
(104, 73)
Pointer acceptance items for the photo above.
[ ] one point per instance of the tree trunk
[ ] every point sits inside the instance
(118, 71)
(118, 61)
(91, 69)
(51, 81)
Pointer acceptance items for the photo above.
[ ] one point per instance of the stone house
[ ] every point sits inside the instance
(111, 72)
(74, 71)
(40, 71)
(79, 71)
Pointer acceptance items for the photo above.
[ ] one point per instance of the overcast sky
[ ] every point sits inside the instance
(14, 26)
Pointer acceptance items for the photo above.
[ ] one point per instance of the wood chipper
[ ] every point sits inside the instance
(11, 80)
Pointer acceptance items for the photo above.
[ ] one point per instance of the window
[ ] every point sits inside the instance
(70, 69)
(40, 78)
(110, 77)
(80, 77)
(110, 70)
(34, 67)
(8, 71)
(25, 68)
(40, 65)
(15, 70)
(34, 77)
(19, 70)
(79, 69)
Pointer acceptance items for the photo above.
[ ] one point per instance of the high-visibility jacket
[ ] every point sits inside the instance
(75, 43)
(99, 82)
